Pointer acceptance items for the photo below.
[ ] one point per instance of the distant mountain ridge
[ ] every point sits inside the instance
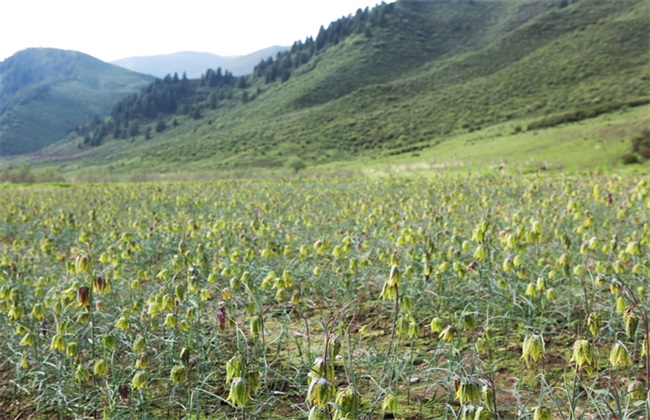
(45, 93)
(194, 64)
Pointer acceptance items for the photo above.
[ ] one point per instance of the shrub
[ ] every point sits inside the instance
(641, 144)
(630, 159)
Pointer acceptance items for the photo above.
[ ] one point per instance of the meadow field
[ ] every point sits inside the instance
(495, 296)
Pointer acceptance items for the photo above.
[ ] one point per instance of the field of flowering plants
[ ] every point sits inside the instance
(478, 298)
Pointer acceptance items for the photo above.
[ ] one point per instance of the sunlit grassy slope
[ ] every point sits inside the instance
(436, 81)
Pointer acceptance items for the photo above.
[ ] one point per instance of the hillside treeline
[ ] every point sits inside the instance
(173, 95)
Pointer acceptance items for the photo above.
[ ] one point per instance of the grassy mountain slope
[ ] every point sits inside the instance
(45, 93)
(413, 76)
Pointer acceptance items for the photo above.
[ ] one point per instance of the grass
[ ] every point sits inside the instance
(188, 267)
(593, 144)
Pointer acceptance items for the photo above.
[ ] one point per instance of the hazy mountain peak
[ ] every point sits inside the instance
(194, 64)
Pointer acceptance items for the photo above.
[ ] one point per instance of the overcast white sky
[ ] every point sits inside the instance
(115, 29)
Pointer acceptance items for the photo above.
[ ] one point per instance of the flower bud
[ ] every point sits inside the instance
(320, 391)
(551, 294)
(123, 323)
(413, 329)
(317, 413)
(402, 326)
(436, 325)
(204, 295)
(82, 263)
(631, 323)
(183, 325)
(388, 292)
(168, 302)
(253, 379)
(334, 347)
(489, 397)
(83, 317)
(239, 394)
(482, 345)
(82, 373)
(123, 392)
(83, 296)
(533, 349)
(542, 413)
(531, 290)
(619, 356)
(632, 248)
(468, 412)
(295, 298)
(38, 312)
(178, 374)
(621, 305)
(468, 391)
(170, 321)
(226, 294)
(185, 355)
(141, 361)
(72, 349)
(139, 380)
(584, 354)
(508, 265)
(346, 400)
(482, 413)
(179, 291)
(57, 343)
(447, 333)
(235, 367)
(489, 333)
(193, 284)
(99, 284)
(28, 339)
(318, 370)
(593, 323)
(100, 368)
(138, 344)
(480, 253)
(636, 389)
(280, 295)
(468, 322)
(389, 405)
(108, 341)
(395, 276)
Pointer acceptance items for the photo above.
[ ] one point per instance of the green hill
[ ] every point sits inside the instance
(46, 93)
(401, 79)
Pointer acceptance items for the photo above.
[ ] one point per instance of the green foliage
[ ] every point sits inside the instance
(641, 144)
(583, 114)
(630, 159)
(20, 175)
(23, 174)
(356, 296)
(296, 164)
